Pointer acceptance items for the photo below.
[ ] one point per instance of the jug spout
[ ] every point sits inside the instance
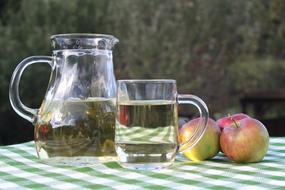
(83, 41)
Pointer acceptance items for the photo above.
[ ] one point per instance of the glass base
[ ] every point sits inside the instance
(78, 161)
(146, 166)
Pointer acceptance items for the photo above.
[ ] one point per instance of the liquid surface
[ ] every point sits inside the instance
(76, 128)
(146, 132)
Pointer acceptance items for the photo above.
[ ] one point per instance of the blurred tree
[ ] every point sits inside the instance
(215, 49)
(25, 32)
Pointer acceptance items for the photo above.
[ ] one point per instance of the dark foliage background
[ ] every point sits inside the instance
(215, 49)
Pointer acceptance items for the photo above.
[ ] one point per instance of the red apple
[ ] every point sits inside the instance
(227, 121)
(245, 141)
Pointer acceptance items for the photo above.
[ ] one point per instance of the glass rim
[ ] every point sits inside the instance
(146, 81)
(84, 35)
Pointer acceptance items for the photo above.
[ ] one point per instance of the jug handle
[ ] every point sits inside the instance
(27, 113)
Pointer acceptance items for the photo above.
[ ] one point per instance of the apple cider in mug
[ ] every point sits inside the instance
(76, 128)
(146, 131)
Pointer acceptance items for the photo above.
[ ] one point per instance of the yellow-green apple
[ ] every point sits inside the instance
(228, 120)
(245, 141)
(208, 146)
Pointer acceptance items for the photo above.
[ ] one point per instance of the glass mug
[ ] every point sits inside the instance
(146, 133)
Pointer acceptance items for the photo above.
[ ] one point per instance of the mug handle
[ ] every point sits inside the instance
(204, 116)
(27, 113)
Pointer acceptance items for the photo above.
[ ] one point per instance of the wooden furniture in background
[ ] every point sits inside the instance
(263, 100)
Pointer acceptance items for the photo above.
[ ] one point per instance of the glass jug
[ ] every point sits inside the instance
(76, 121)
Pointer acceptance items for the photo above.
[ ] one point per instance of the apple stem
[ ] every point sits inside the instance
(235, 123)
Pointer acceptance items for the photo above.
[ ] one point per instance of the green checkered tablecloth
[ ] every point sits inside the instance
(20, 169)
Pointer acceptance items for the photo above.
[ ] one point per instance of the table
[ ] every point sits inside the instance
(20, 169)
